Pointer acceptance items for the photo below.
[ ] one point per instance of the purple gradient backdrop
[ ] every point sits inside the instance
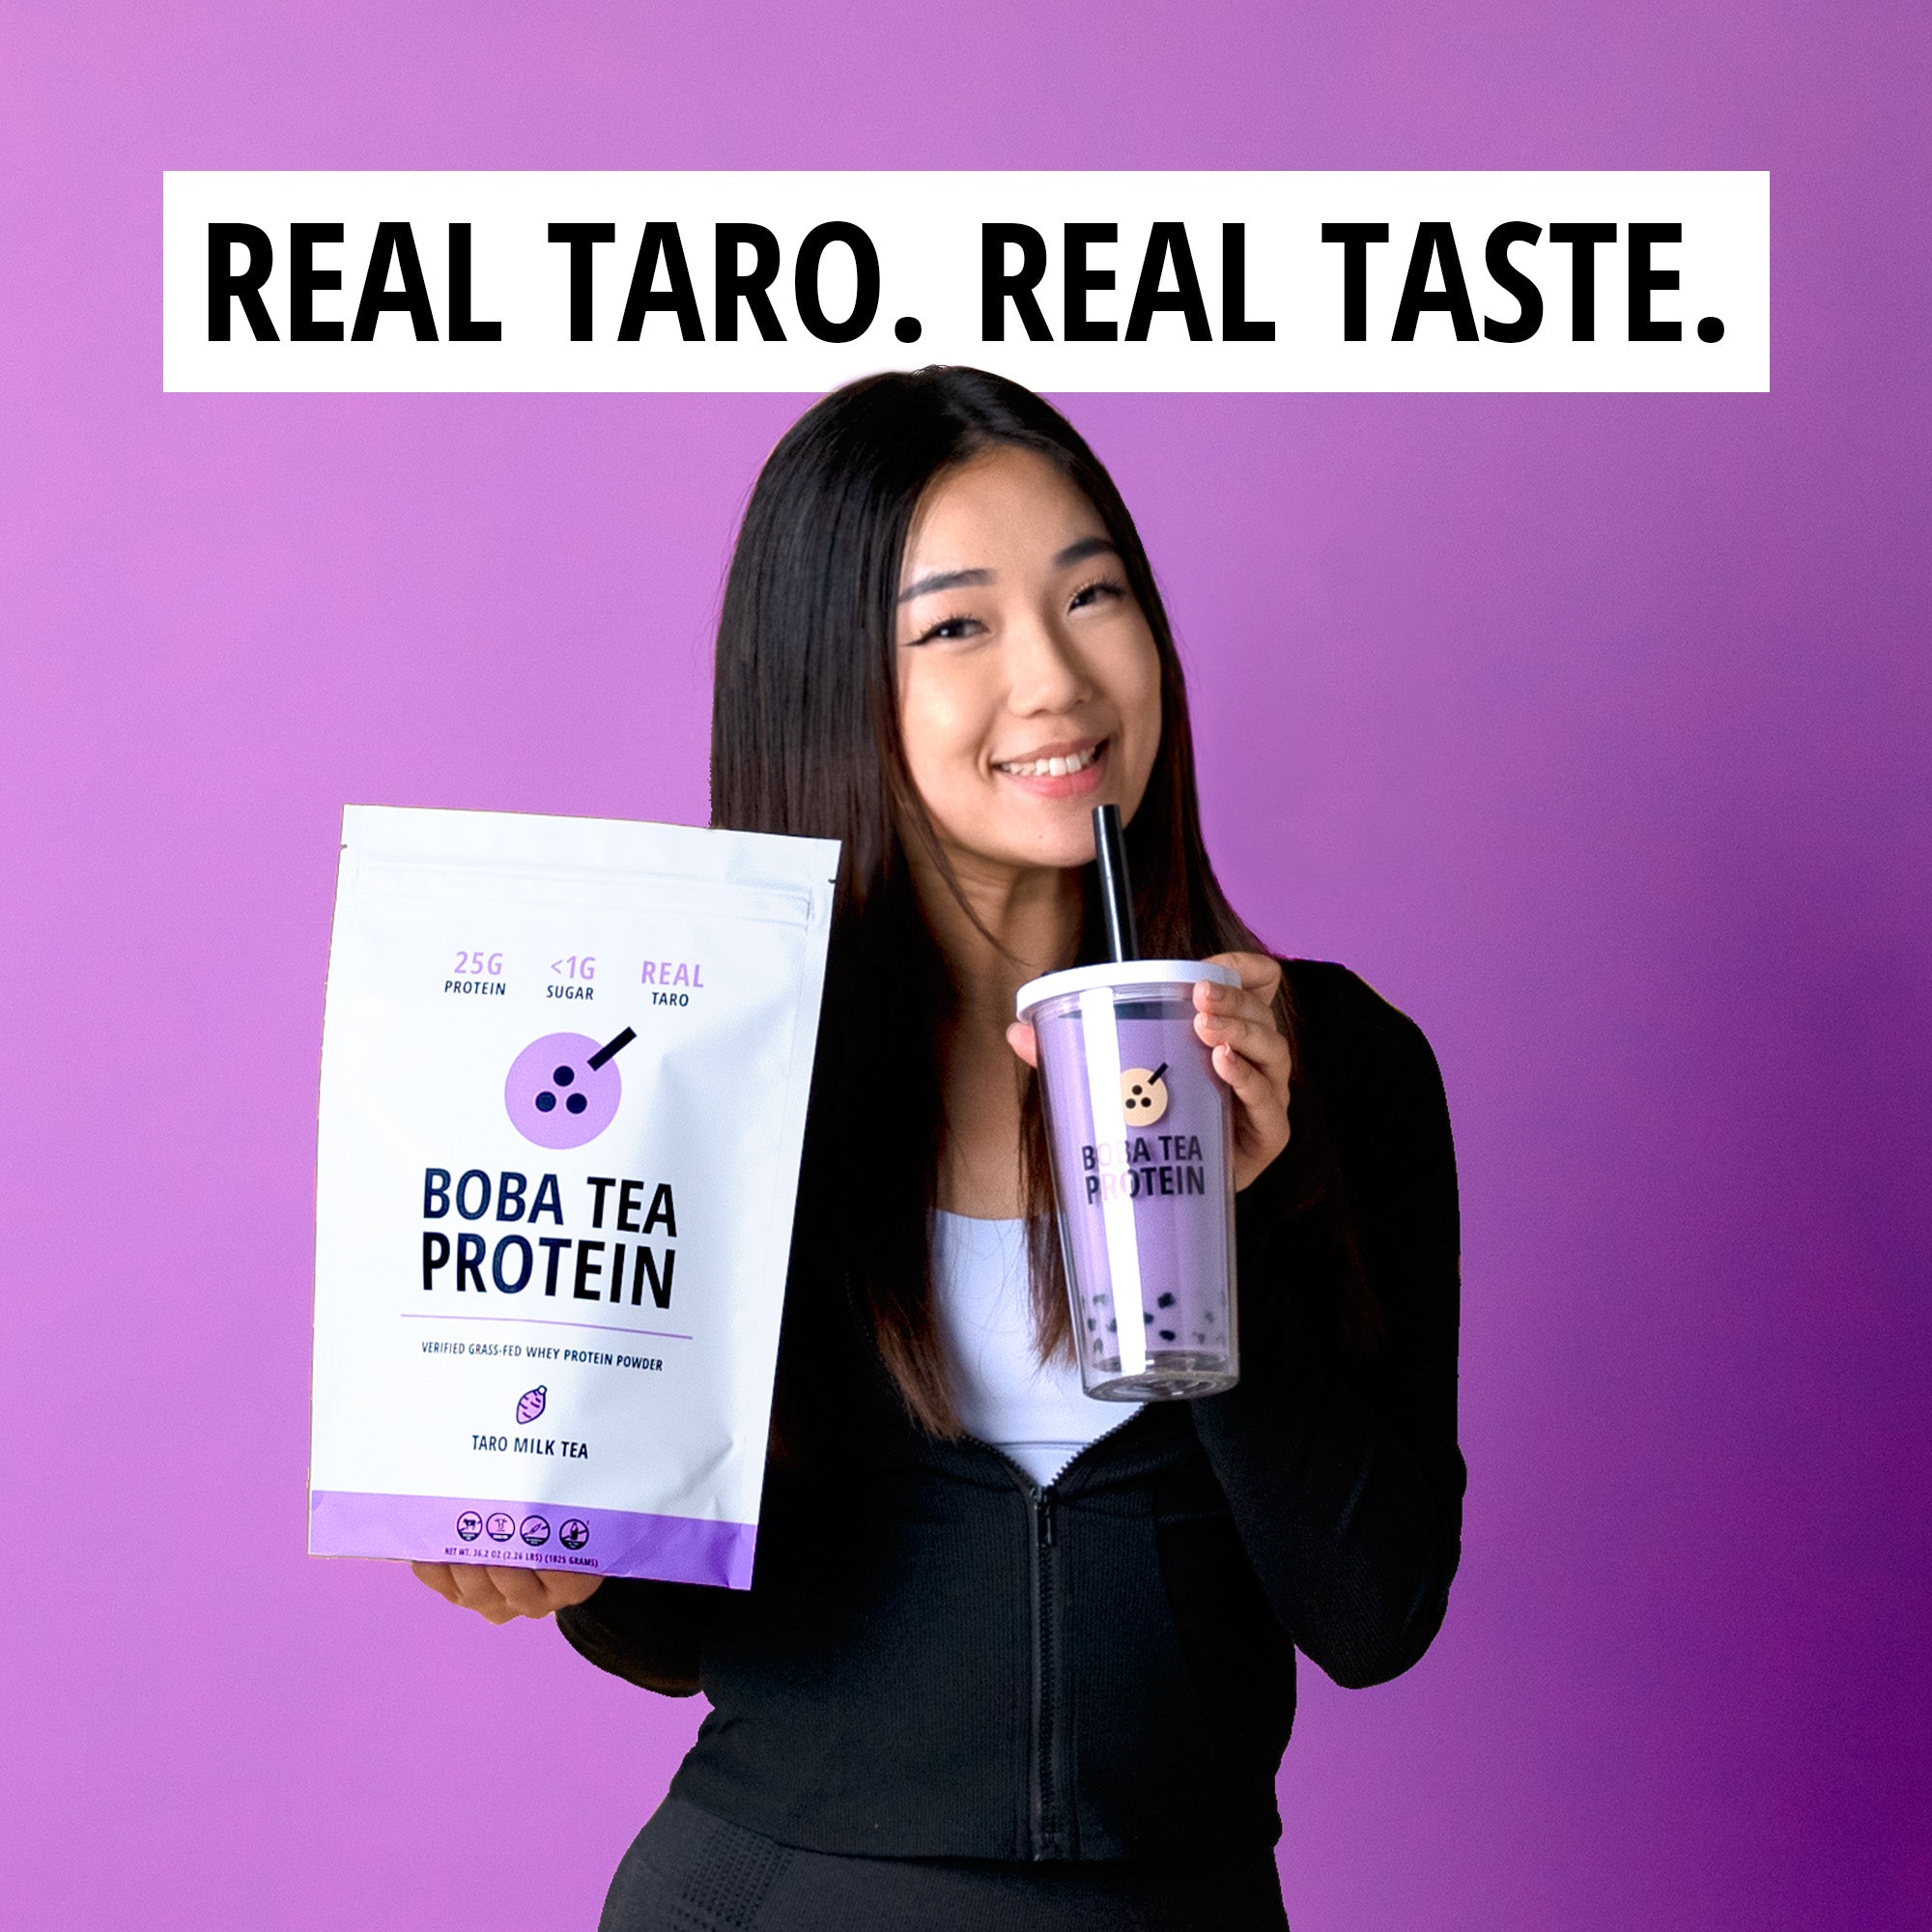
(1591, 729)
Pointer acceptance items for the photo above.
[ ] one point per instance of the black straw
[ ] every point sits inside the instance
(1117, 892)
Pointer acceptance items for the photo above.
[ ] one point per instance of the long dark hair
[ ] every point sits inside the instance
(805, 738)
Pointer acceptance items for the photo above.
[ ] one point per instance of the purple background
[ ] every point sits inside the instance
(1589, 729)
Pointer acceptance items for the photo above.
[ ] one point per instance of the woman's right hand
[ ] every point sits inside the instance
(499, 1593)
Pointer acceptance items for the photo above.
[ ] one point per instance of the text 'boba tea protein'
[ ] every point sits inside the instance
(564, 1071)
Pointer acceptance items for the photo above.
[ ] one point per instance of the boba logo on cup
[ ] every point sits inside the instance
(1144, 1094)
(564, 1089)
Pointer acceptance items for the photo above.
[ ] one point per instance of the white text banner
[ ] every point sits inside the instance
(1068, 282)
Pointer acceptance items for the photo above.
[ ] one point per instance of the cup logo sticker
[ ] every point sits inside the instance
(564, 1090)
(1143, 1094)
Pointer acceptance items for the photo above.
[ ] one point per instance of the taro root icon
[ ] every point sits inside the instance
(530, 1404)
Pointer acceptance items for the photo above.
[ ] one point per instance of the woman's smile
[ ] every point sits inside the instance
(1058, 770)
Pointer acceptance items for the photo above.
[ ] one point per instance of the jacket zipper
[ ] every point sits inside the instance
(1046, 1808)
(1044, 1825)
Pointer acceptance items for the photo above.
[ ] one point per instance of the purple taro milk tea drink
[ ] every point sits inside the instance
(1141, 1129)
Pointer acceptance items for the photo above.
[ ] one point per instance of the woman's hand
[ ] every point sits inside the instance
(1237, 1023)
(498, 1593)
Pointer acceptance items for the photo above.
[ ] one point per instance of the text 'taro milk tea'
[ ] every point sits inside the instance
(1141, 1131)
(564, 1074)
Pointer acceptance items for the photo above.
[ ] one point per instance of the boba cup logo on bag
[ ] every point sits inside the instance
(564, 1089)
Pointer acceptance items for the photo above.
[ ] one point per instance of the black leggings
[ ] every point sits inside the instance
(687, 1871)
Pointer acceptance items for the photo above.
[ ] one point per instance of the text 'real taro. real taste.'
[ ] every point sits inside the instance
(564, 1072)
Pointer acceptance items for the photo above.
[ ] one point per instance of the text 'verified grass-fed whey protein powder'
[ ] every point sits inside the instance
(564, 1071)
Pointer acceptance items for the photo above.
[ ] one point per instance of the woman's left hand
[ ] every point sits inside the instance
(1237, 1023)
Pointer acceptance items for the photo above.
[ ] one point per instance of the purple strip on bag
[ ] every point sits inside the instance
(535, 1536)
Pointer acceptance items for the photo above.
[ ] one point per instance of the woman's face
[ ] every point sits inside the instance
(1029, 681)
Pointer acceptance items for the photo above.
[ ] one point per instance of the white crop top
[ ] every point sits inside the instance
(1039, 1416)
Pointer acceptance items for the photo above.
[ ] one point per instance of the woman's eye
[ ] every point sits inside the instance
(948, 630)
(1089, 593)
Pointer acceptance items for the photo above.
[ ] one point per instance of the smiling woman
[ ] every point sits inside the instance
(1012, 1656)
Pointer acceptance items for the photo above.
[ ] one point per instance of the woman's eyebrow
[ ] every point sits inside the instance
(957, 580)
(943, 580)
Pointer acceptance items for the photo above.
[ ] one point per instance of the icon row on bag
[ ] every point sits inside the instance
(500, 1526)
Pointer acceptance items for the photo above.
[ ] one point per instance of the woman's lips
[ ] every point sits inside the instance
(1064, 783)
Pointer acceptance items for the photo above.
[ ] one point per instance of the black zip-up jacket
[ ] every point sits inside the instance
(939, 1659)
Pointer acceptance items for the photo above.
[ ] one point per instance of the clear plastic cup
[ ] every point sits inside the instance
(1142, 1130)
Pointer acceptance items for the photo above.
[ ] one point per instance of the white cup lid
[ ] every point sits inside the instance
(1121, 973)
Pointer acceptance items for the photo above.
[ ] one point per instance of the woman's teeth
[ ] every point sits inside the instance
(1052, 768)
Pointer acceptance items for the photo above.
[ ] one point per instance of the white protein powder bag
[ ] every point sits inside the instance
(564, 1072)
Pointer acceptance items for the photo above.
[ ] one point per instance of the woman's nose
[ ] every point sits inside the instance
(1045, 672)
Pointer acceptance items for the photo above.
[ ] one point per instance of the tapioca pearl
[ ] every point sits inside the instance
(563, 1076)
(577, 1103)
(545, 1102)
(1167, 1335)
(1165, 1300)
(1148, 1319)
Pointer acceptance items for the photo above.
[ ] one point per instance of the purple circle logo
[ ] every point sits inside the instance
(535, 1531)
(502, 1527)
(469, 1526)
(575, 1533)
(564, 1089)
